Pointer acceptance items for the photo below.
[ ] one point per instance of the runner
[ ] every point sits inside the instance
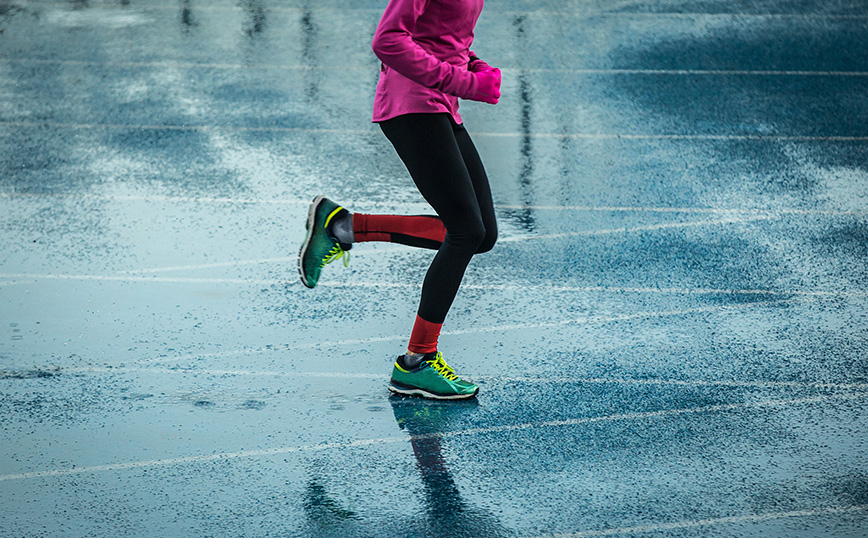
(427, 65)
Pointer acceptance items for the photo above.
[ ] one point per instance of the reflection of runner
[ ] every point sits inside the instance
(443, 512)
(448, 513)
(325, 515)
(424, 46)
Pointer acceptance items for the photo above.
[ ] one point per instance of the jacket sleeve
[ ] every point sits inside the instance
(476, 64)
(394, 46)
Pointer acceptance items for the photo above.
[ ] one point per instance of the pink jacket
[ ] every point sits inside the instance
(425, 49)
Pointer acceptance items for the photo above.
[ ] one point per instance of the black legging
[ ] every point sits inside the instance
(448, 172)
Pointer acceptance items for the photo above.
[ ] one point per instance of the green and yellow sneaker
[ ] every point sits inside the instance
(320, 247)
(433, 378)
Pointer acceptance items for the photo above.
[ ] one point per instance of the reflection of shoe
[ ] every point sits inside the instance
(433, 378)
(321, 507)
(420, 416)
(320, 247)
(417, 416)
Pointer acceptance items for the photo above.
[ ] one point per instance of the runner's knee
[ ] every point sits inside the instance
(488, 241)
(469, 237)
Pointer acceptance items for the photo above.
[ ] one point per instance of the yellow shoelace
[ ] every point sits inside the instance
(442, 368)
(335, 253)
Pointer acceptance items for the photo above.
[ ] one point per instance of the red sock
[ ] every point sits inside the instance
(424, 337)
(383, 227)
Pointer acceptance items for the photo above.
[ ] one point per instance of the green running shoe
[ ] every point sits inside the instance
(320, 247)
(433, 378)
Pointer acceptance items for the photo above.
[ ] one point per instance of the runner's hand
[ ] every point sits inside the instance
(487, 85)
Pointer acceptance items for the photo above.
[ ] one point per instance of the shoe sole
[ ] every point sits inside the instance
(414, 391)
(311, 217)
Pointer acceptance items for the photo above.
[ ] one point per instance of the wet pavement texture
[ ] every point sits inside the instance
(670, 336)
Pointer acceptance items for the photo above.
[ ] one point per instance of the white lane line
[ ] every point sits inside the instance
(160, 198)
(652, 414)
(168, 127)
(425, 206)
(129, 276)
(446, 434)
(370, 66)
(17, 282)
(237, 263)
(683, 15)
(694, 72)
(372, 131)
(201, 459)
(677, 382)
(493, 13)
(613, 289)
(643, 290)
(617, 318)
(531, 380)
(586, 233)
(211, 372)
(646, 228)
(201, 8)
(478, 330)
(290, 260)
(699, 210)
(134, 278)
(35, 277)
(204, 200)
(374, 66)
(695, 137)
(750, 518)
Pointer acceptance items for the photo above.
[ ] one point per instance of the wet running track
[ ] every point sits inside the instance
(671, 335)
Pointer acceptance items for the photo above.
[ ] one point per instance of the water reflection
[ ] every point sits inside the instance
(565, 117)
(525, 218)
(309, 58)
(187, 19)
(441, 511)
(254, 21)
(326, 516)
(7, 11)
(448, 514)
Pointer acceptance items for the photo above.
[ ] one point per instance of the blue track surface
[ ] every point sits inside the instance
(670, 336)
